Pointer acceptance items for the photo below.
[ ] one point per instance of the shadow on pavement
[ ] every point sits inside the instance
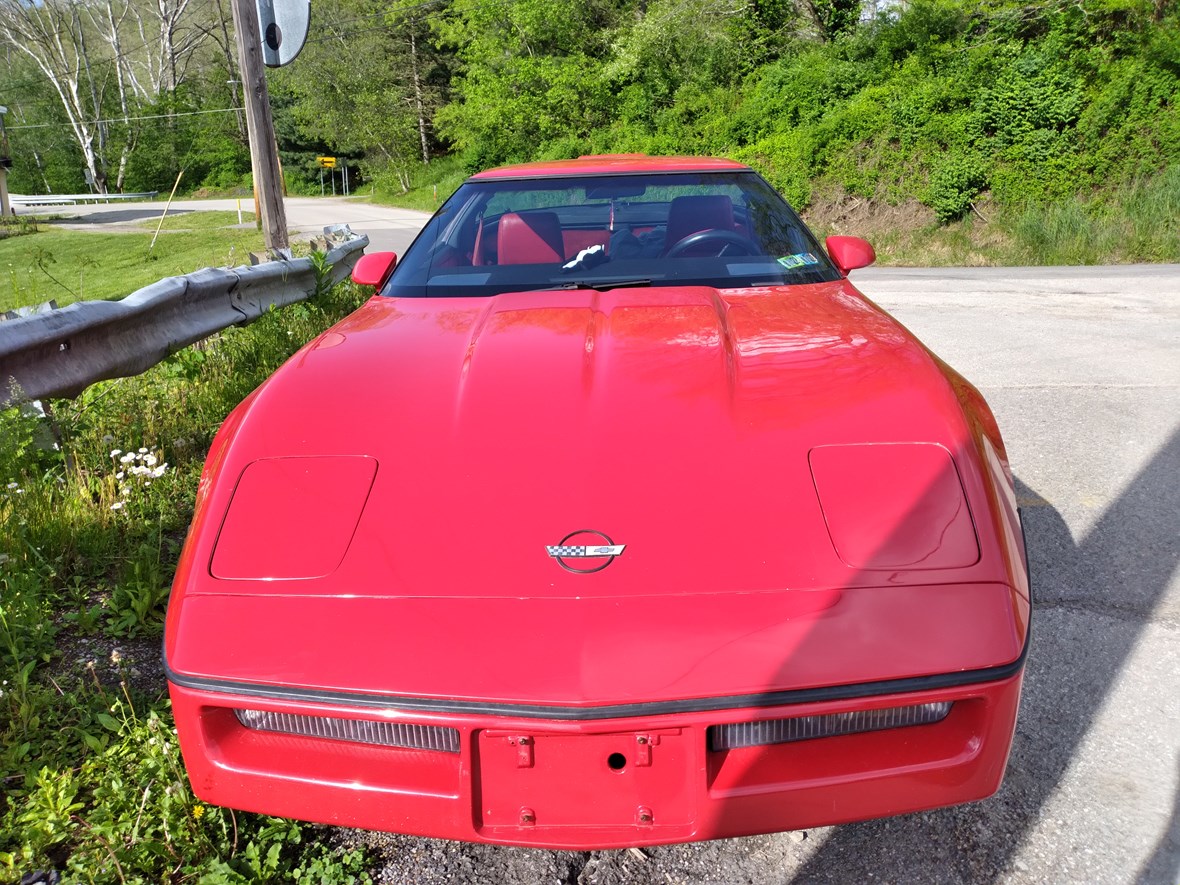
(1116, 575)
(115, 216)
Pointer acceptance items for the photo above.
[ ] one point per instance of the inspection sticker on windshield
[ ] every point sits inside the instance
(803, 259)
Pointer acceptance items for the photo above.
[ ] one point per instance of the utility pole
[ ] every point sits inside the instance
(5, 162)
(264, 160)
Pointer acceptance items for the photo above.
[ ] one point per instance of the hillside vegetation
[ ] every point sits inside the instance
(1002, 130)
(938, 101)
(1060, 121)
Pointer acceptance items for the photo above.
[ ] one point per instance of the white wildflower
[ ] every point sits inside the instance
(120, 475)
(13, 485)
(143, 450)
(118, 505)
(128, 458)
(149, 460)
(115, 453)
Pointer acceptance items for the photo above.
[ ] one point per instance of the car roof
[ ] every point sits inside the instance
(609, 164)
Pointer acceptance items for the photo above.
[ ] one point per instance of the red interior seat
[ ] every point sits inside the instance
(534, 238)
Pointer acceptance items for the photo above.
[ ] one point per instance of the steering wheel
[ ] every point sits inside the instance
(726, 238)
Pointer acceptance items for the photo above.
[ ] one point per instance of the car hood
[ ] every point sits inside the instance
(460, 438)
(675, 422)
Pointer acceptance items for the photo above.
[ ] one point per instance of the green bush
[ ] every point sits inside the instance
(954, 185)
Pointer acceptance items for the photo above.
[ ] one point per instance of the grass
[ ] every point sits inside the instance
(205, 219)
(1136, 222)
(95, 499)
(429, 186)
(73, 265)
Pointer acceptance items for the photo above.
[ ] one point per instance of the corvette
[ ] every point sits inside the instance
(617, 516)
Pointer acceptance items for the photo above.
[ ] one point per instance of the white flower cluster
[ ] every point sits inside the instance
(141, 466)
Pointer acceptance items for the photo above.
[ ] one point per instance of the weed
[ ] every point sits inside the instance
(137, 603)
(17, 225)
(47, 816)
(94, 784)
(322, 269)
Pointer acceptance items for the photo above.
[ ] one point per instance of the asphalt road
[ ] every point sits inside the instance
(387, 228)
(1082, 368)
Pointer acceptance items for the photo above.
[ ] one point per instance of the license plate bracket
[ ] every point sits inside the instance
(528, 779)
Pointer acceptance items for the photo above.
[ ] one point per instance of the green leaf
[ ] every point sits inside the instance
(107, 721)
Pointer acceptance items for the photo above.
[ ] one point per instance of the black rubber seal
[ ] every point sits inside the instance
(612, 711)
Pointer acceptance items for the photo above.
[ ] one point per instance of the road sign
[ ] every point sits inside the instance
(326, 162)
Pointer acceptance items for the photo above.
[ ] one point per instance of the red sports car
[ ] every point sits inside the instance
(616, 517)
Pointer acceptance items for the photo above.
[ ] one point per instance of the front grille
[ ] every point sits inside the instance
(387, 734)
(805, 728)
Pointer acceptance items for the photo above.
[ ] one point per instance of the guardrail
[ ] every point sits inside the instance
(74, 199)
(62, 352)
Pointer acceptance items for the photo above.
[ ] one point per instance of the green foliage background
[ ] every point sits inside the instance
(951, 103)
(938, 100)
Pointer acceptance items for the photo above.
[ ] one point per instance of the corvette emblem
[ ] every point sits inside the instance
(597, 549)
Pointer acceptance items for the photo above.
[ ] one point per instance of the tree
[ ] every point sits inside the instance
(832, 18)
(530, 74)
(369, 91)
(105, 60)
(53, 35)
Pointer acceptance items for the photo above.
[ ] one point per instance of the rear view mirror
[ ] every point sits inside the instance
(614, 190)
(849, 253)
(374, 269)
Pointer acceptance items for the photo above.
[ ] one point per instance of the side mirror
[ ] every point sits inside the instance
(849, 253)
(374, 269)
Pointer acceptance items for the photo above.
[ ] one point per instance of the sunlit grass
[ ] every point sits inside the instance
(71, 265)
(1138, 222)
(203, 219)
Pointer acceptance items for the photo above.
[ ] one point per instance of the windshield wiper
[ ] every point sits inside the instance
(602, 285)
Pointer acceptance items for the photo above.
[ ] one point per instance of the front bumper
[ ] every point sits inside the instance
(598, 783)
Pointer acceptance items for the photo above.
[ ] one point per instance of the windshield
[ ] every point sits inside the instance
(726, 230)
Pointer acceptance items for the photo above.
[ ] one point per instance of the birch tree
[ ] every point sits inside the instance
(104, 60)
(53, 36)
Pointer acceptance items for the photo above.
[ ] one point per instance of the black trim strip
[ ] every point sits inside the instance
(614, 711)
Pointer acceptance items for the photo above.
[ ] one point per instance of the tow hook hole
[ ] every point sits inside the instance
(617, 761)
